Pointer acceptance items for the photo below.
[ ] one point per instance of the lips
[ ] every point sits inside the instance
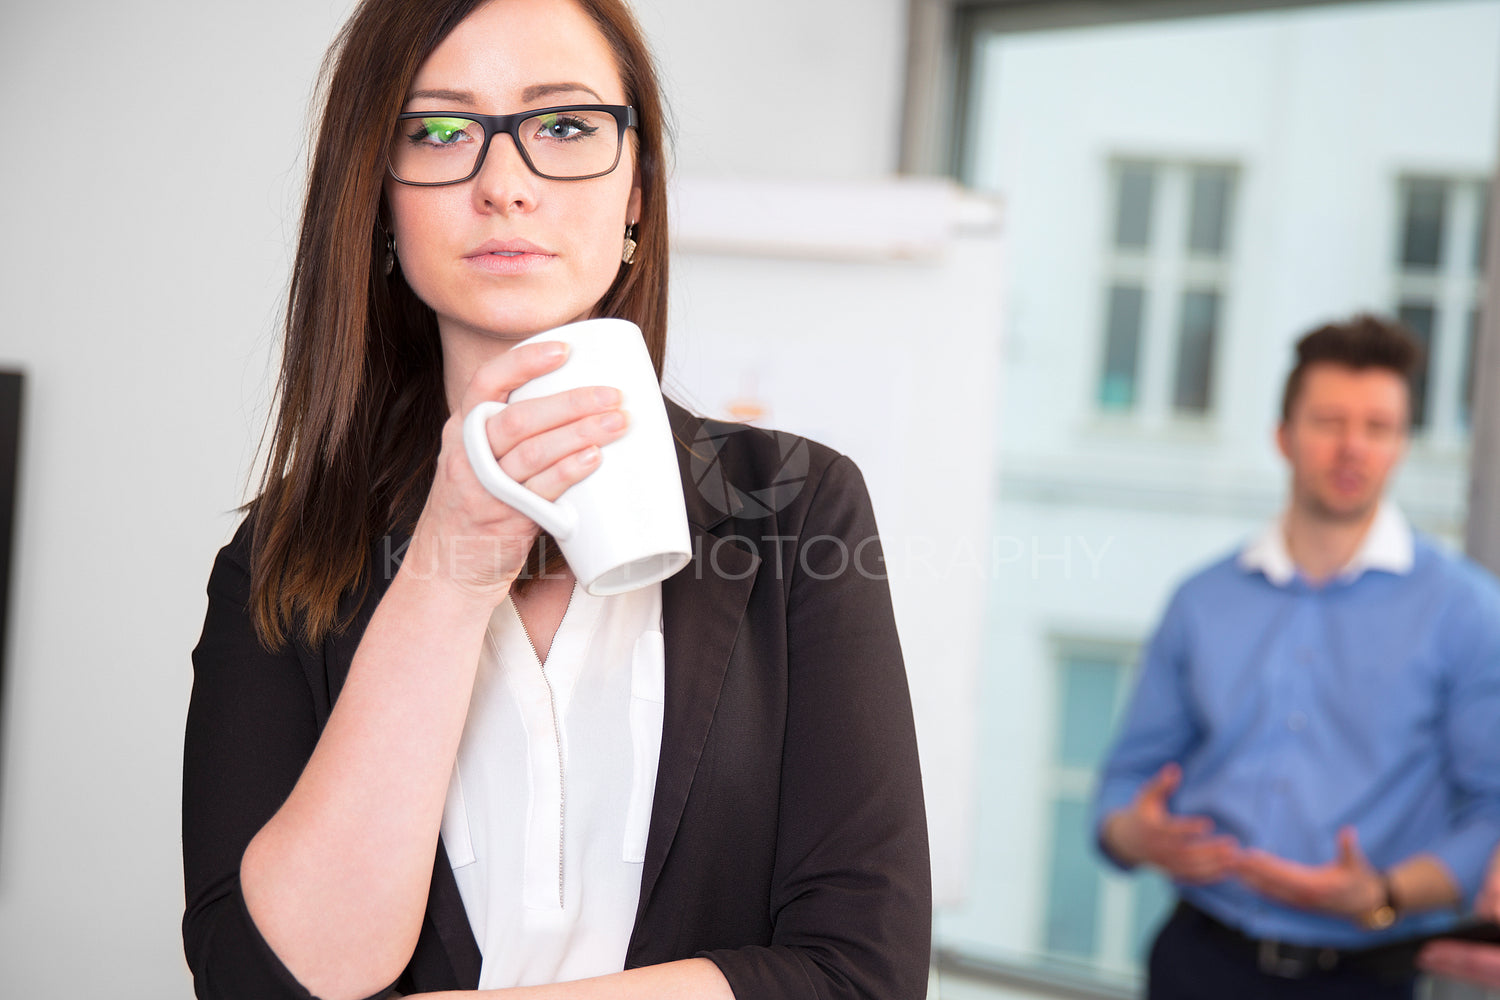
(1348, 482)
(509, 256)
(508, 247)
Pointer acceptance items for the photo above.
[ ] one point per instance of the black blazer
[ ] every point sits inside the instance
(788, 840)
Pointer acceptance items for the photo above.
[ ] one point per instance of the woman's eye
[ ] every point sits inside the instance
(442, 131)
(563, 127)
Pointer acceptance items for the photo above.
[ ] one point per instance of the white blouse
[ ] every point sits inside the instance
(550, 800)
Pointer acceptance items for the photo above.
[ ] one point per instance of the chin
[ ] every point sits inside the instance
(1346, 509)
(518, 326)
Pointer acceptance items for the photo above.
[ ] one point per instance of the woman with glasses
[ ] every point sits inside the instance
(415, 758)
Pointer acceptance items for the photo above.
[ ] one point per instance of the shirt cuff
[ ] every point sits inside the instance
(1466, 854)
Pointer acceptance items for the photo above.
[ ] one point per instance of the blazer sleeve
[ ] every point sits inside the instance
(852, 894)
(251, 727)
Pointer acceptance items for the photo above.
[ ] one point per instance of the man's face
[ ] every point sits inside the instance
(1345, 434)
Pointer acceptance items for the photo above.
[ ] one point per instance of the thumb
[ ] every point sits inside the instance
(1350, 856)
(1162, 785)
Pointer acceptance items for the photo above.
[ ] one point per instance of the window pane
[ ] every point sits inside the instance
(1089, 689)
(1154, 898)
(1134, 193)
(1208, 219)
(1073, 883)
(1122, 347)
(1424, 201)
(1421, 317)
(1195, 351)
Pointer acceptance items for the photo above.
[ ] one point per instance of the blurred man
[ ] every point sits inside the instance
(1312, 753)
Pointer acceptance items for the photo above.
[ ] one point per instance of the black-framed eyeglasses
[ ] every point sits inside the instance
(573, 142)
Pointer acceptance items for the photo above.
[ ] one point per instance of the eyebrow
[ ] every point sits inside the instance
(456, 96)
(538, 90)
(532, 93)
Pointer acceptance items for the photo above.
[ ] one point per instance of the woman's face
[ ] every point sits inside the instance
(561, 239)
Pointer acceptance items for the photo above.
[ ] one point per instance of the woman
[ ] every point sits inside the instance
(355, 622)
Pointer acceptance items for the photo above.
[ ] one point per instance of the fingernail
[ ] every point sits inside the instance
(555, 348)
(589, 456)
(612, 421)
(607, 396)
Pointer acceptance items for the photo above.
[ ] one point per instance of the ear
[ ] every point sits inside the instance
(1281, 441)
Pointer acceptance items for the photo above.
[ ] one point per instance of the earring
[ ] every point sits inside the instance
(627, 254)
(390, 253)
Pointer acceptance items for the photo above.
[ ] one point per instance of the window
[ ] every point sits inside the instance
(1439, 260)
(1092, 914)
(1167, 267)
(1180, 207)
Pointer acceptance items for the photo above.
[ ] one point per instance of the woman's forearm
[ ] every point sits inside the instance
(337, 880)
(690, 979)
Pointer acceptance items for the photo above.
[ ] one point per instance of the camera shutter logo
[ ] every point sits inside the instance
(734, 499)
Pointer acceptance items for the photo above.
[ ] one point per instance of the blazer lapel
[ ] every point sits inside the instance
(702, 609)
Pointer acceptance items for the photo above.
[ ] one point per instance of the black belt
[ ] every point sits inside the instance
(1393, 963)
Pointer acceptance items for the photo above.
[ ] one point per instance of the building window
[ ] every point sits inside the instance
(1439, 263)
(1092, 915)
(1167, 279)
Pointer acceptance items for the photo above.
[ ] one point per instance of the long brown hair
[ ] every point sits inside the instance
(360, 395)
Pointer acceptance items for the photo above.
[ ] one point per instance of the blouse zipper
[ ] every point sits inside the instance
(562, 775)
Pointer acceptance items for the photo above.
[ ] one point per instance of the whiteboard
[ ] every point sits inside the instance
(867, 316)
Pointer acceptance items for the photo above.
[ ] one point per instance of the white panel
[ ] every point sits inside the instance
(890, 357)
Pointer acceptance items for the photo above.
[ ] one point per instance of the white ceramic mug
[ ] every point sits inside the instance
(625, 525)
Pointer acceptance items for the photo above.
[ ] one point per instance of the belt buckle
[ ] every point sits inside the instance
(1297, 962)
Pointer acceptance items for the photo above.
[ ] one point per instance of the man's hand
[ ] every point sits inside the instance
(1466, 961)
(1470, 961)
(1349, 886)
(1184, 847)
(1487, 903)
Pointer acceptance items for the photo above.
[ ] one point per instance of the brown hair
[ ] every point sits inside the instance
(360, 395)
(1363, 342)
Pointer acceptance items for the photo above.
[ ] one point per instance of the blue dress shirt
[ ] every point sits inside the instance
(1370, 701)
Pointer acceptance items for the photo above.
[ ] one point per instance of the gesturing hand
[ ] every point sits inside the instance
(1348, 886)
(1185, 847)
(1487, 904)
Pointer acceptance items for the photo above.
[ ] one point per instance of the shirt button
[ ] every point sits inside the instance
(1296, 722)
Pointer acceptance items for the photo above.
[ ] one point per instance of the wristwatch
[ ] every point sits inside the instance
(1384, 915)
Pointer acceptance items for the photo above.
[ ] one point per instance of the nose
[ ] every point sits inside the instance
(504, 182)
(1354, 440)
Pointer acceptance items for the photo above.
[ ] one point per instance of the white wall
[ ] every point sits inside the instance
(788, 88)
(148, 208)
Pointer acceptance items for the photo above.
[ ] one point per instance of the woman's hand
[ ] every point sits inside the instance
(467, 539)
(686, 979)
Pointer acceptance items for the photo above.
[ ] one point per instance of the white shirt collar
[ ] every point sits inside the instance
(1387, 545)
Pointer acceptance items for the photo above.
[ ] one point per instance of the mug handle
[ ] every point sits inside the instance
(556, 519)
